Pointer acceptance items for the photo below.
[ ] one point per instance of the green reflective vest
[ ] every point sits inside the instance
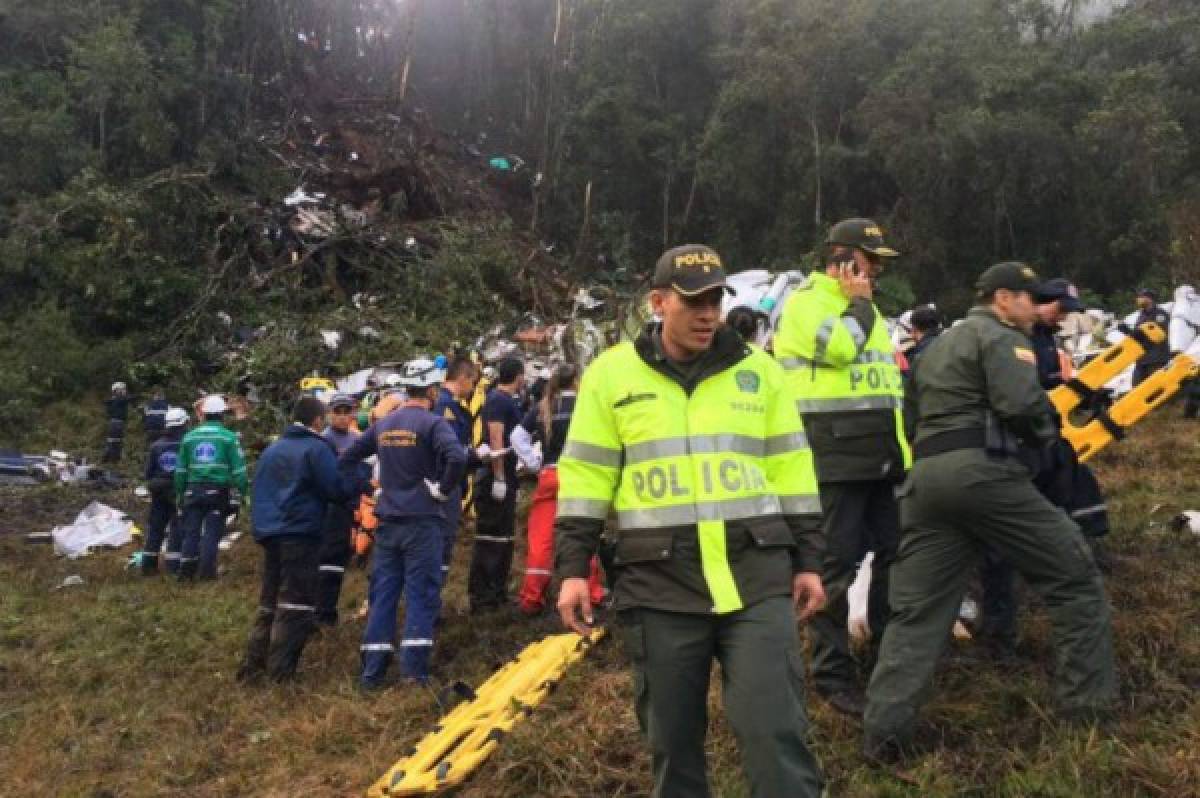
(847, 380)
(732, 455)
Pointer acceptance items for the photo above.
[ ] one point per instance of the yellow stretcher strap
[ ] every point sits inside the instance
(1154, 391)
(1104, 367)
(465, 737)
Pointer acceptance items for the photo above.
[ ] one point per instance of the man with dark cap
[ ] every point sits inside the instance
(1054, 299)
(339, 516)
(981, 411)
(926, 327)
(691, 438)
(838, 355)
(1157, 356)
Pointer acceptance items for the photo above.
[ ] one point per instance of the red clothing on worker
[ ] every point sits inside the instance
(539, 559)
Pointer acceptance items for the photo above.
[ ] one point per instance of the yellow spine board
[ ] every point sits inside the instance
(1154, 391)
(463, 739)
(1104, 367)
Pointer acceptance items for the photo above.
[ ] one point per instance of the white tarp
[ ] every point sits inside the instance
(97, 525)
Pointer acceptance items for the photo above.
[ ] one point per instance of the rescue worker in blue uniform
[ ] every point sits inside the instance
(154, 417)
(116, 414)
(420, 463)
(1156, 356)
(339, 517)
(496, 493)
(461, 375)
(160, 479)
(297, 478)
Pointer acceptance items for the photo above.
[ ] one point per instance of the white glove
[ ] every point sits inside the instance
(435, 491)
(499, 490)
(484, 453)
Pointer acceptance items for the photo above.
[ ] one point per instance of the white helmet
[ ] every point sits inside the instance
(176, 417)
(422, 373)
(118, 387)
(213, 405)
(393, 381)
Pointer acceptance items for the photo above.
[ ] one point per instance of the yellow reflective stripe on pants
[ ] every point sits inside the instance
(715, 563)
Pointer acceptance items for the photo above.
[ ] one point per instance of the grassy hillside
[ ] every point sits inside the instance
(124, 686)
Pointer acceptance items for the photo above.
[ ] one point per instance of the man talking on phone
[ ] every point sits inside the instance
(835, 348)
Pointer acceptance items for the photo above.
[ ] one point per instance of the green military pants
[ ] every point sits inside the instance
(859, 517)
(762, 688)
(951, 505)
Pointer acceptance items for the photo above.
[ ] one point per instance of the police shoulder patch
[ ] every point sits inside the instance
(1025, 354)
(747, 381)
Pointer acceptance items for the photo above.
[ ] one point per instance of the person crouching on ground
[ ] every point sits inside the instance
(297, 478)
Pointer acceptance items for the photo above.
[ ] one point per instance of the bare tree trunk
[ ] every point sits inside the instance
(408, 48)
(666, 209)
(691, 200)
(544, 157)
(586, 229)
(816, 132)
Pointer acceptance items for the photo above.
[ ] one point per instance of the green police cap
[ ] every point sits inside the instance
(861, 234)
(1012, 275)
(690, 269)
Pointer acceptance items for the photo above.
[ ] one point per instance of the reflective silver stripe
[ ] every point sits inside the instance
(824, 333)
(683, 515)
(171, 555)
(650, 450)
(416, 642)
(493, 539)
(800, 504)
(843, 405)
(539, 571)
(583, 508)
(1093, 510)
(875, 356)
(856, 331)
(283, 605)
(377, 647)
(590, 453)
(333, 569)
(696, 444)
(266, 610)
(718, 444)
(782, 444)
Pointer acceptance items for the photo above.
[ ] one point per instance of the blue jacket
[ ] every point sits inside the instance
(1045, 350)
(297, 476)
(160, 463)
(155, 415)
(458, 417)
(413, 445)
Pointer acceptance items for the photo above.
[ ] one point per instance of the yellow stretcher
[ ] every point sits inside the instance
(1109, 425)
(463, 739)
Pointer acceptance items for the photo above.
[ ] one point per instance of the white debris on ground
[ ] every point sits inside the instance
(97, 525)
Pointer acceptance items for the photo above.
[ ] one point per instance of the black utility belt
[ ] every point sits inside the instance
(950, 441)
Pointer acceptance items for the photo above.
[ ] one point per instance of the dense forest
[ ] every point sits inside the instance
(146, 149)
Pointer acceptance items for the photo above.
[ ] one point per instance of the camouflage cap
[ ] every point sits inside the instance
(1012, 275)
(861, 234)
(690, 269)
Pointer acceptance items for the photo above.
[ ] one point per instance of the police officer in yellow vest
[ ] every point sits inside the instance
(692, 439)
(834, 345)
